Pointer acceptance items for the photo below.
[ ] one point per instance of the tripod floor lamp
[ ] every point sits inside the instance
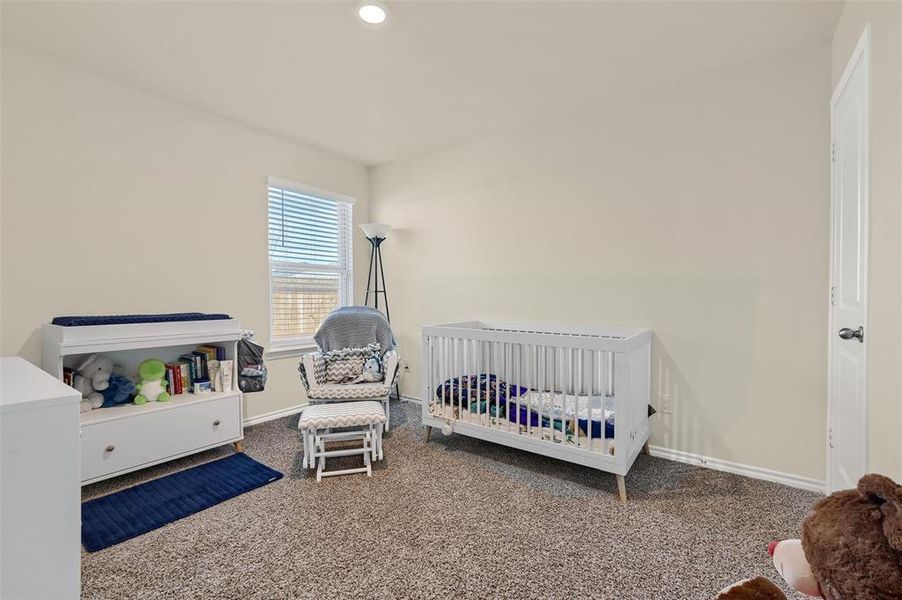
(376, 234)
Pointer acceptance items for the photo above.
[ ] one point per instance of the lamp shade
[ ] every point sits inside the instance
(375, 230)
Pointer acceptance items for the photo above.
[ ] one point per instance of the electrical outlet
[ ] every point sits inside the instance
(665, 404)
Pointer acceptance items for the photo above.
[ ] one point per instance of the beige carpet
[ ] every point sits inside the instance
(453, 518)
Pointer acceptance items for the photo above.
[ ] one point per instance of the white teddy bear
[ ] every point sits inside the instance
(92, 376)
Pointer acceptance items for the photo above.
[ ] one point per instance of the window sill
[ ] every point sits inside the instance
(289, 351)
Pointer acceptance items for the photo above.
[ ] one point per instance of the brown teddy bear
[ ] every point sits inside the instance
(851, 548)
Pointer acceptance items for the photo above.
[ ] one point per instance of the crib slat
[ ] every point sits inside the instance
(437, 351)
(446, 366)
(582, 393)
(539, 386)
(562, 386)
(519, 383)
(529, 382)
(542, 384)
(467, 372)
(480, 369)
(552, 386)
(490, 368)
(591, 395)
(508, 371)
(489, 351)
(570, 373)
(498, 379)
(558, 382)
(543, 373)
(462, 372)
(480, 362)
(433, 367)
(439, 374)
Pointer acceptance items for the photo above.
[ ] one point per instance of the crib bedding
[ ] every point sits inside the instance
(558, 434)
(487, 395)
(483, 387)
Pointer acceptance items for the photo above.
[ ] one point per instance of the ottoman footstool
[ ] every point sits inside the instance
(363, 420)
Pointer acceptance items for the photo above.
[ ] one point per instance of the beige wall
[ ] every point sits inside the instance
(885, 299)
(105, 189)
(700, 212)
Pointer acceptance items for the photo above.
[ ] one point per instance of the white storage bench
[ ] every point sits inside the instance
(579, 394)
(363, 420)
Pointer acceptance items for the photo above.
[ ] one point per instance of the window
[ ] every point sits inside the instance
(309, 259)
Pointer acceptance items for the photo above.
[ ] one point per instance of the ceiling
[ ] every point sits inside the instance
(437, 73)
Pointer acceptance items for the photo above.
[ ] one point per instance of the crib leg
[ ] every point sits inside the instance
(621, 488)
(645, 450)
(428, 433)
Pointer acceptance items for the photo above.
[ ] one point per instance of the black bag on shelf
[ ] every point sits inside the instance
(251, 370)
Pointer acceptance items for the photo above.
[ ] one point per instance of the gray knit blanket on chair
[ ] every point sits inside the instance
(354, 327)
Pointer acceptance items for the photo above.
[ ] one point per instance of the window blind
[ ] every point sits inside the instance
(310, 258)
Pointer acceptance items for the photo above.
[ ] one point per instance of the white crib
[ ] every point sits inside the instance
(579, 394)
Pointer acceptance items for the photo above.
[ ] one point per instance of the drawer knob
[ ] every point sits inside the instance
(110, 448)
(216, 423)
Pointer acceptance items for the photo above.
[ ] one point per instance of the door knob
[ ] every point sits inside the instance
(848, 334)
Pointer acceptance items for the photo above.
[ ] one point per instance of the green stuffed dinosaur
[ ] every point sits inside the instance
(153, 382)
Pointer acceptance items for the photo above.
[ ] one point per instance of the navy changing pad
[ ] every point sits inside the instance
(132, 319)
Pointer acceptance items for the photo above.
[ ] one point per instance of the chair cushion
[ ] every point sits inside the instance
(348, 391)
(341, 414)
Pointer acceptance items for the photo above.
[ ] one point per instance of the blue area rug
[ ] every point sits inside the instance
(129, 513)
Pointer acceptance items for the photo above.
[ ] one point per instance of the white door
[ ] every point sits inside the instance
(847, 435)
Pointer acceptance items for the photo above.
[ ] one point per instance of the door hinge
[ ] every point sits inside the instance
(833, 296)
(830, 438)
(833, 152)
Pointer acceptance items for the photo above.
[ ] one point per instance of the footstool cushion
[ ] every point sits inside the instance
(341, 414)
(364, 418)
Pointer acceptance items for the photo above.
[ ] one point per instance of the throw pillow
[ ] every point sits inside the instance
(347, 365)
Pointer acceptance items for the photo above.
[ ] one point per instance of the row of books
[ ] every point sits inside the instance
(198, 371)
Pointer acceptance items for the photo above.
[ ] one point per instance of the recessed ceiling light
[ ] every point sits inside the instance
(374, 14)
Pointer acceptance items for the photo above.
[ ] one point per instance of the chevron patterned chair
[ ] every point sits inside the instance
(351, 327)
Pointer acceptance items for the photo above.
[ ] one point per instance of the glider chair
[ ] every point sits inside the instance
(356, 360)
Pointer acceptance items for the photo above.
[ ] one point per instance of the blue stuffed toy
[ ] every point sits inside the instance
(120, 391)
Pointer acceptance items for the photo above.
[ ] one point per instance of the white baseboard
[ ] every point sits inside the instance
(410, 399)
(717, 464)
(276, 414)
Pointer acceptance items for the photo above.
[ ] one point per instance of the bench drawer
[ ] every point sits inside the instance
(139, 439)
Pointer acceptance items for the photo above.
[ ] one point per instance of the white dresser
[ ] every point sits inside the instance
(40, 484)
